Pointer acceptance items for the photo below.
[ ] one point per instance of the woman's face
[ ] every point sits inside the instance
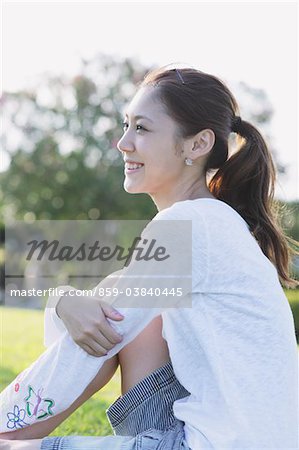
(153, 162)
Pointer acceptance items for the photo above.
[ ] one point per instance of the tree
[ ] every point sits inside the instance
(61, 138)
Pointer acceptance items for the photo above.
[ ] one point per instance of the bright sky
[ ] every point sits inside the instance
(254, 42)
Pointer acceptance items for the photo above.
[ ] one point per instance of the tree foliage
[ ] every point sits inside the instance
(61, 138)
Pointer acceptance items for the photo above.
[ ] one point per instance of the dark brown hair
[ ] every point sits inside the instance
(245, 180)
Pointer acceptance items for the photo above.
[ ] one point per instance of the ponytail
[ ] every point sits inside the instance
(246, 182)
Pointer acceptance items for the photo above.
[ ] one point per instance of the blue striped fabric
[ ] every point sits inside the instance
(142, 419)
(149, 404)
(52, 443)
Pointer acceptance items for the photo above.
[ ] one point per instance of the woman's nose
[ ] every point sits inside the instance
(124, 145)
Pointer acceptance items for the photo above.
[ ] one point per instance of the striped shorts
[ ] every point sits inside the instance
(142, 419)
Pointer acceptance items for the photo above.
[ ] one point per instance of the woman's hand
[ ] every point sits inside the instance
(85, 319)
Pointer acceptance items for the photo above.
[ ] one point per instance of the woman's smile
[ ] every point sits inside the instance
(132, 167)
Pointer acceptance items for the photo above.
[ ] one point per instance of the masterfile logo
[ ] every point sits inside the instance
(145, 263)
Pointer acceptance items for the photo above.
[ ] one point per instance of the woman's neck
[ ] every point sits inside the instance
(165, 200)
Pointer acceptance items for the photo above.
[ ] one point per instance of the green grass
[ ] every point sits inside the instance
(293, 295)
(22, 343)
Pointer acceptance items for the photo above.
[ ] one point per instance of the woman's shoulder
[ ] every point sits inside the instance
(178, 210)
(211, 211)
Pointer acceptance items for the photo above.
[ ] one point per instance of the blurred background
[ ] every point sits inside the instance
(70, 68)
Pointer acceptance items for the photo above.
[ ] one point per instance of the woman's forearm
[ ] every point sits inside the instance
(44, 428)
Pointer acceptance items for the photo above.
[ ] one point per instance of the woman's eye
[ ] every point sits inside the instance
(138, 127)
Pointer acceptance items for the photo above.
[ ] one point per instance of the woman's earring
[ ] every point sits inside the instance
(188, 162)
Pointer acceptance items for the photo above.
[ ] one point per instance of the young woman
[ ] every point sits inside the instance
(234, 351)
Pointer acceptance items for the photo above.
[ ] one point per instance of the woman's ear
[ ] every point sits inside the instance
(203, 142)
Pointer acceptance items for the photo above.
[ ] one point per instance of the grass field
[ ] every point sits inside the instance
(22, 343)
(293, 295)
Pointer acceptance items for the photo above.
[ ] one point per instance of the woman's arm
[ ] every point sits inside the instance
(139, 292)
(44, 428)
(139, 358)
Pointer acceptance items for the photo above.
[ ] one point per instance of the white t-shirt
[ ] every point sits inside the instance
(235, 350)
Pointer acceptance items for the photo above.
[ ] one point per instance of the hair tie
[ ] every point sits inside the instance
(236, 124)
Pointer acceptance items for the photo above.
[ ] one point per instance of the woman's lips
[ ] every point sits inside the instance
(133, 167)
